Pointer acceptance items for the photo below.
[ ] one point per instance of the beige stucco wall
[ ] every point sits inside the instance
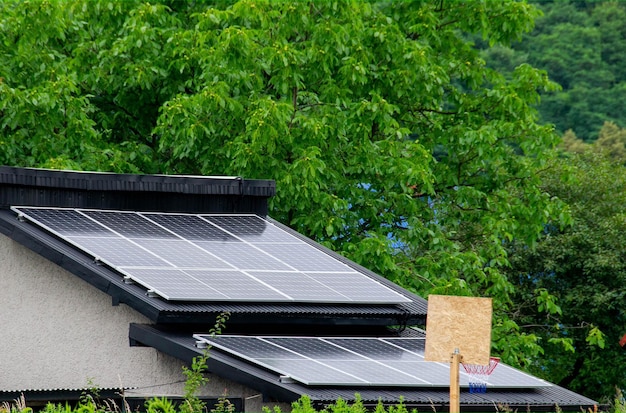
(58, 332)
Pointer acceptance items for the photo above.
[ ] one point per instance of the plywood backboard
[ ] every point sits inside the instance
(462, 323)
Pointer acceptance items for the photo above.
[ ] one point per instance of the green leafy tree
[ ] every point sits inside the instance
(389, 138)
(577, 277)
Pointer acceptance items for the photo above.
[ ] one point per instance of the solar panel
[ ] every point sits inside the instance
(67, 222)
(202, 257)
(118, 252)
(298, 286)
(129, 225)
(303, 257)
(356, 361)
(183, 254)
(190, 227)
(251, 228)
(173, 284)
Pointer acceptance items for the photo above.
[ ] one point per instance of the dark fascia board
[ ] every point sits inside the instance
(102, 190)
(180, 343)
(164, 312)
(108, 181)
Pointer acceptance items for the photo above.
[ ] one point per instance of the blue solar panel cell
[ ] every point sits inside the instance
(361, 288)
(303, 257)
(298, 286)
(173, 284)
(237, 285)
(251, 347)
(374, 373)
(415, 345)
(243, 256)
(376, 349)
(311, 372)
(504, 375)
(434, 374)
(315, 349)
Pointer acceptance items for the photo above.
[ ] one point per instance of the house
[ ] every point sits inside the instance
(115, 280)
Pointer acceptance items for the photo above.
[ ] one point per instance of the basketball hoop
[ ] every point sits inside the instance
(479, 375)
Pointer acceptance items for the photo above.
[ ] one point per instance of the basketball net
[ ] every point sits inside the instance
(479, 375)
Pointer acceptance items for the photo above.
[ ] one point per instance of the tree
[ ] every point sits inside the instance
(390, 140)
(612, 142)
(571, 143)
(581, 45)
(582, 267)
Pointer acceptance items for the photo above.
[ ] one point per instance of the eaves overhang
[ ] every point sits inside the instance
(162, 311)
(180, 343)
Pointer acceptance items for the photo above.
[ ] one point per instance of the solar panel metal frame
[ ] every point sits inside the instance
(295, 367)
(381, 295)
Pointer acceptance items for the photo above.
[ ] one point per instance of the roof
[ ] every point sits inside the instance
(176, 321)
(163, 311)
(181, 344)
(35, 187)
(175, 193)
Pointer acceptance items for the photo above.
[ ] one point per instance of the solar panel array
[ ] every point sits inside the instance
(362, 361)
(204, 257)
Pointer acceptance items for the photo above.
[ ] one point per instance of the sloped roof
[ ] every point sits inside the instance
(163, 311)
(41, 187)
(177, 321)
(181, 344)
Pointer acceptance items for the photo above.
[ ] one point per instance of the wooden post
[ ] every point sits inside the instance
(455, 387)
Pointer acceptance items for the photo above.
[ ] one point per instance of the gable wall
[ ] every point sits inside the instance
(58, 332)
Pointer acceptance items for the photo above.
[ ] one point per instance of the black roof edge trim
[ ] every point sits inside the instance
(110, 181)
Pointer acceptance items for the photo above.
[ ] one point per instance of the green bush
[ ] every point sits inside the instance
(304, 405)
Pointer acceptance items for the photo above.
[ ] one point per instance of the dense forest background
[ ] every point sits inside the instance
(581, 45)
(467, 147)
